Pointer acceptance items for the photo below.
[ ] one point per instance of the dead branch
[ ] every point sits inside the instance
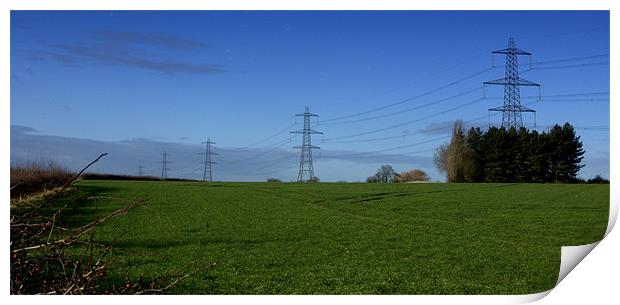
(82, 230)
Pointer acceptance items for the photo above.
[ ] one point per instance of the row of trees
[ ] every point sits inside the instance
(511, 155)
(386, 174)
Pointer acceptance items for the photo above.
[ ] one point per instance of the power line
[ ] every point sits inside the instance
(570, 66)
(386, 149)
(579, 58)
(584, 127)
(278, 144)
(335, 140)
(421, 131)
(532, 64)
(267, 138)
(577, 97)
(575, 100)
(364, 154)
(557, 96)
(411, 98)
(426, 76)
(326, 122)
(404, 135)
(421, 151)
(407, 122)
(266, 164)
(408, 109)
(418, 143)
(553, 61)
(573, 94)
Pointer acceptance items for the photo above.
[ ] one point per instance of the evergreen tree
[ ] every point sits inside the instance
(522, 151)
(568, 153)
(538, 156)
(511, 155)
(475, 144)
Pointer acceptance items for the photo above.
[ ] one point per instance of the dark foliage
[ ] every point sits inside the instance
(511, 155)
(598, 179)
(98, 176)
(385, 174)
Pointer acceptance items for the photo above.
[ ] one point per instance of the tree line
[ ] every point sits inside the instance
(386, 174)
(511, 155)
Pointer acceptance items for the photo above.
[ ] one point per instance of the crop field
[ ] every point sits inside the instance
(339, 238)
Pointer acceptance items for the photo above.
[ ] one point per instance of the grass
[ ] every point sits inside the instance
(336, 238)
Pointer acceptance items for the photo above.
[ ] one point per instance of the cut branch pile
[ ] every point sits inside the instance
(47, 258)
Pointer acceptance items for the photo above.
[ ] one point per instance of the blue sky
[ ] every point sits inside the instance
(137, 83)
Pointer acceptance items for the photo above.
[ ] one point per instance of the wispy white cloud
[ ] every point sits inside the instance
(130, 49)
(157, 39)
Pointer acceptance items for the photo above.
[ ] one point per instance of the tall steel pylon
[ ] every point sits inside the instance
(306, 168)
(164, 166)
(512, 108)
(208, 152)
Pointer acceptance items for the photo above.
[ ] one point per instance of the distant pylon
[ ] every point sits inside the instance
(208, 152)
(140, 170)
(512, 109)
(164, 166)
(306, 168)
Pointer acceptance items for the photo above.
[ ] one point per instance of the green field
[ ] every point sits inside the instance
(337, 238)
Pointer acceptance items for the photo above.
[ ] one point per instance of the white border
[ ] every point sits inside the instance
(580, 286)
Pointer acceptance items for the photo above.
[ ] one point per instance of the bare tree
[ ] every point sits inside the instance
(385, 174)
(456, 158)
(456, 154)
(441, 158)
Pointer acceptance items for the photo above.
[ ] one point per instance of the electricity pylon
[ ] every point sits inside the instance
(164, 166)
(512, 109)
(306, 168)
(208, 152)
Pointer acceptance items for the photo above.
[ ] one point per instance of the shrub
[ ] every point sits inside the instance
(313, 180)
(412, 175)
(37, 177)
(273, 180)
(598, 179)
(101, 176)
